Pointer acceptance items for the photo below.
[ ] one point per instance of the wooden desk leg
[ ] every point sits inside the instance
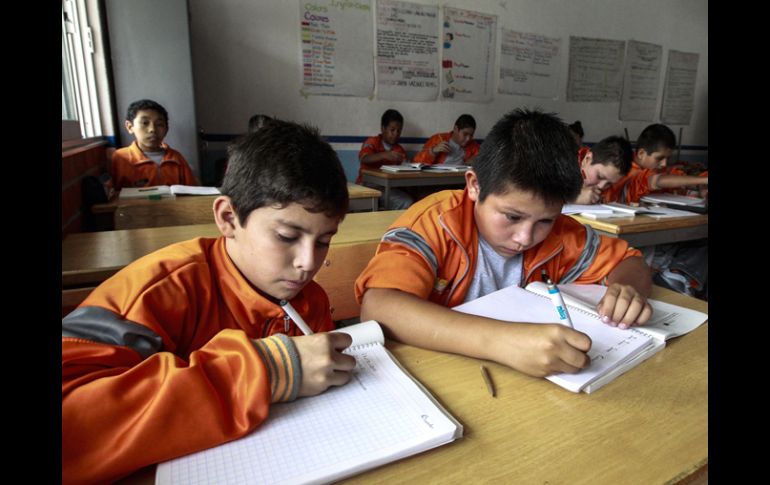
(374, 204)
(387, 194)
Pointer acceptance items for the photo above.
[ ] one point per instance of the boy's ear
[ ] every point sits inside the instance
(129, 127)
(225, 217)
(472, 182)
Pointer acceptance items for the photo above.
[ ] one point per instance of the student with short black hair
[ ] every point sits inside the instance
(187, 348)
(602, 165)
(502, 229)
(149, 160)
(456, 147)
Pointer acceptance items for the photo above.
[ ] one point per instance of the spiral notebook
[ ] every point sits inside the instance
(383, 414)
(613, 351)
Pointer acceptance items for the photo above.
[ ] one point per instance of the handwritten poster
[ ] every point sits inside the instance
(641, 79)
(679, 88)
(529, 64)
(595, 69)
(337, 45)
(468, 55)
(407, 51)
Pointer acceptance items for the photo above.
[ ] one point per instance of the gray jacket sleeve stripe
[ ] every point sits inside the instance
(586, 257)
(414, 241)
(103, 326)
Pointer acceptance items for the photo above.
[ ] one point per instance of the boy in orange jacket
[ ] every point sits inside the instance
(148, 160)
(501, 230)
(186, 348)
(654, 147)
(384, 149)
(601, 166)
(456, 147)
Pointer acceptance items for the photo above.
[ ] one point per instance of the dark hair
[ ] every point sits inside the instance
(655, 137)
(389, 116)
(465, 121)
(615, 151)
(144, 104)
(282, 163)
(531, 151)
(258, 121)
(577, 128)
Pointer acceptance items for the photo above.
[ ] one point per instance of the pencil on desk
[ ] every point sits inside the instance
(488, 381)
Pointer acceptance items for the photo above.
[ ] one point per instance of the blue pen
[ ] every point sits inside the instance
(557, 300)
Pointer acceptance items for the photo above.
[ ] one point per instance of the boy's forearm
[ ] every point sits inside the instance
(667, 181)
(634, 272)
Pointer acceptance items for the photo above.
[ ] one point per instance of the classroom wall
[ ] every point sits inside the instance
(246, 60)
(150, 53)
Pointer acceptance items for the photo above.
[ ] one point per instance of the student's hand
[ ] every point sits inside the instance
(589, 195)
(441, 147)
(394, 156)
(622, 306)
(323, 363)
(542, 350)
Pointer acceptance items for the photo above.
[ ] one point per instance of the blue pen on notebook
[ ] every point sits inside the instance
(557, 300)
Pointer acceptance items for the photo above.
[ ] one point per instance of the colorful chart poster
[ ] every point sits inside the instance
(529, 64)
(641, 80)
(407, 51)
(337, 44)
(468, 55)
(679, 88)
(595, 69)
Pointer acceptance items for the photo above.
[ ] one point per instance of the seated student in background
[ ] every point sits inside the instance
(148, 160)
(502, 229)
(654, 147)
(456, 147)
(384, 149)
(603, 165)
(186, 348)
(576, 129)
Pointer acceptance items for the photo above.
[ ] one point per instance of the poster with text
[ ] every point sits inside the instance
(468, 55)
(407, 51)
(595, 69)
(337, 45)
(529, 64)
(641, 80)
(679, 88)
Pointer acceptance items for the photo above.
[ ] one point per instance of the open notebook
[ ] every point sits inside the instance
(613, 351)
(383, 414)
(162, 191)
(417, 167)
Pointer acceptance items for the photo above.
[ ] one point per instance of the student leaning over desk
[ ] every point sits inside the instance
(186, 348)
(601, 166)
(456, 147)
(148, 160)
(502, 229)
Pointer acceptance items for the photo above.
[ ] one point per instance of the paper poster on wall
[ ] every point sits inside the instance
(529, 64)
(595, 69)
(468, 55)
(337, 45)
(407, 51)
(641, 79)
(679, 88)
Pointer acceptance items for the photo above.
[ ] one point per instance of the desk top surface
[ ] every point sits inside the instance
(649, 425)
(90, 257)
(642, 223)
(411, 175)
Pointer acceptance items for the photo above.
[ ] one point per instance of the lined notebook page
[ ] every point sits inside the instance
(381, 415)
(610, 347)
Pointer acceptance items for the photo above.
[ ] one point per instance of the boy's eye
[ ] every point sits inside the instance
(322, 244)
(285, 238)
(513, 217)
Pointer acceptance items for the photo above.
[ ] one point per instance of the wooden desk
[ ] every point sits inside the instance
(410, 179)
(89, 258)
(649, 426)
(645, 231)
(363, 198)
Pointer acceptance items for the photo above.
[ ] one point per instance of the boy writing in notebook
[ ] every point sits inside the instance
(503, 229)
(654, 147)
(186, 348)
(384, 149)
(456, 147)
(601, 166)
(148, 160)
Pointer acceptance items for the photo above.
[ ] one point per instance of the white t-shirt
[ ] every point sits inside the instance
(493, 271)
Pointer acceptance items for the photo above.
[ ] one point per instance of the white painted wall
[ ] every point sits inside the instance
(246, 60)
(150, 47)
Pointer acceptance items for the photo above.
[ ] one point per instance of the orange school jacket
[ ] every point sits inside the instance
(371, 145)
(158, 361)
(426, 156)
(131, 168)
(432, 249)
